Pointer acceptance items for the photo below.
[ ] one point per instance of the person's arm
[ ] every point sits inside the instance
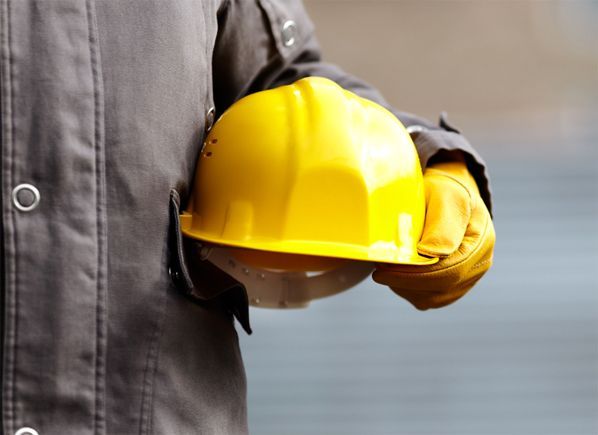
(263, 44)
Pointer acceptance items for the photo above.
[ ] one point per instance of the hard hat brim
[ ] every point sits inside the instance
(386, 252)
(283, 289)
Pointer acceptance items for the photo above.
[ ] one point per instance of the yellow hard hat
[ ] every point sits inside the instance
(309, 169)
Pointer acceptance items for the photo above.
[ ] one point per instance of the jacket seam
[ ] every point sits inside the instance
(10, 291)
(209, 82)
(223, 6)
(99, 422)
(149, 372)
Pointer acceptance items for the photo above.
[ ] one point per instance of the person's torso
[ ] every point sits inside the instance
(104, 107)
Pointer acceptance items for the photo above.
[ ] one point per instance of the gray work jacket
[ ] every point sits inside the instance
(104, 106)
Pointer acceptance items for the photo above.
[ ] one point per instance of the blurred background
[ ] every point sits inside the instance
(519, 354)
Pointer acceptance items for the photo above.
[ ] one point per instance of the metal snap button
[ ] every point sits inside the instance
(25, 197)
(26, 431)
(174, 275)
(289, 31)
(210, 114)
(415, 129)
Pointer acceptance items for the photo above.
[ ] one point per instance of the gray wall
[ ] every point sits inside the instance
(519, 354)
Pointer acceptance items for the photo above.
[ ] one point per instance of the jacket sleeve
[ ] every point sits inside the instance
(262, 44)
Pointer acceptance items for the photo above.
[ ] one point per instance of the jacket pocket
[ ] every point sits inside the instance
(199, 279)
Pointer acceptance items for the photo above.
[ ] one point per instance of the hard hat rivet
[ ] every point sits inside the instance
(256, 300)
(246, 271)
(209, 154)
(204, 252)
(261, 276)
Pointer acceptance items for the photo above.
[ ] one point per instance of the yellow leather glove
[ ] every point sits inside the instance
(458, 229)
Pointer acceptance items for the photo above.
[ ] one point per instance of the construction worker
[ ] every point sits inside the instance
(104, 108)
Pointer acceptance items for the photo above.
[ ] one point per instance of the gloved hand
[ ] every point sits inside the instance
(458, 229)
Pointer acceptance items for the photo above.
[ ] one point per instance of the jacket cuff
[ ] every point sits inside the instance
(431, 140)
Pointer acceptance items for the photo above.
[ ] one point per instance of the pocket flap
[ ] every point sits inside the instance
(199, 279)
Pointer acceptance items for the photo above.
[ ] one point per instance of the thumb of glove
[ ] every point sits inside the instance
(442, 283)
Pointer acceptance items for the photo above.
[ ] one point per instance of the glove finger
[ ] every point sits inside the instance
(448, 211)
(425, 300)
(480, 236)
(443, 283)
(417, 299)
(472, 255)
